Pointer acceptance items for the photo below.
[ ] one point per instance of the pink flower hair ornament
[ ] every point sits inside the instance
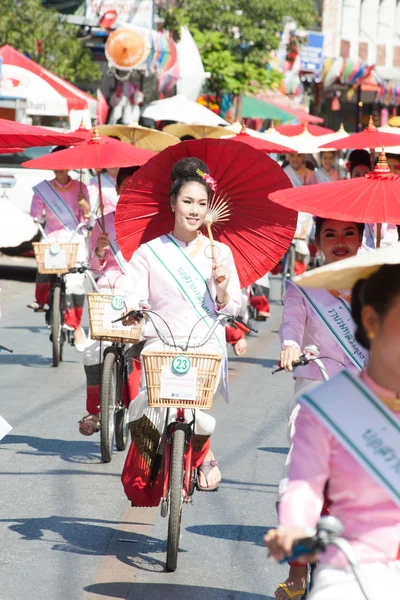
(210, 181)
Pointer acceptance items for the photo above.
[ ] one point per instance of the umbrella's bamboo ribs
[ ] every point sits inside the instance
(220, 276)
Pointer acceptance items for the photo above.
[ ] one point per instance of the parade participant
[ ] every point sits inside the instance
(107, 261)
(359, 163)
(108, 189)
(297, 170)
(175, 274)
(64, 202)
(310, 317)
(259, 298)
(327, 172)
(299, 175)
(362, 487)
(393, 161)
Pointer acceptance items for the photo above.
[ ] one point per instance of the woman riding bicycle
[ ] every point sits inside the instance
(65, 203)
(310, 318)
(108, 262)
(175, 274)
(357, 493)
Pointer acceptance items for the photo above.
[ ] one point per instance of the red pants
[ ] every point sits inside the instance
(136, 476)
(73, 305)
(233, 334)
(260, 303)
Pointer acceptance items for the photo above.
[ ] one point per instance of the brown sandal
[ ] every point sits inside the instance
(92, 420)
(205, 468)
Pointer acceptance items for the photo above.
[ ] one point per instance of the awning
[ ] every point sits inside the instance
(46, 93)
(253, 108)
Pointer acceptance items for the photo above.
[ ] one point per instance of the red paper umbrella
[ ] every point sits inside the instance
(291, 130)
(10, 150)
(19, 135)
(98, 153)
(257, 231)
(259, 143)
(371, 138)
(374, 198)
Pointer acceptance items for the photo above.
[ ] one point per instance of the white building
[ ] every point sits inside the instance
(369, 29)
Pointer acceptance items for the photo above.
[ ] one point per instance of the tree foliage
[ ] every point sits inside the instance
(236, 37)
(44, 35)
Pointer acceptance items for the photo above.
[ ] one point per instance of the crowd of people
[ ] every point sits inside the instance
(320, 473)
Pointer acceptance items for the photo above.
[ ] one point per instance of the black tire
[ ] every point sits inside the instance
(175, 498)
(108, 404)
(121, 428)
(56, 326)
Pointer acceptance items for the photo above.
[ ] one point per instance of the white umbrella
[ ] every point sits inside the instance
(16, 226)
(180, 109)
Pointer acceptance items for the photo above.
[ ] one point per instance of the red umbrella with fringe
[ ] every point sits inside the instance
(374, 198)
(97, 153)
(240, 214)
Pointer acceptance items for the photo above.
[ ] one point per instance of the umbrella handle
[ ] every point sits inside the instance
(220, 273)
(103, 225)
(378, 235)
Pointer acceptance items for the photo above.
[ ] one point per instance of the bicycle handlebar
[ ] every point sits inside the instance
(139, 315)
(78, 228)
(6, 349)
(329, 530)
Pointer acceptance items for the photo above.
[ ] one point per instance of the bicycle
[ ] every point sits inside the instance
(59, 259)
(113, 412)
(329, 530)
(181, 371)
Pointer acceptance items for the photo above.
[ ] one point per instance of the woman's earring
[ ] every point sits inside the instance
(370, 335)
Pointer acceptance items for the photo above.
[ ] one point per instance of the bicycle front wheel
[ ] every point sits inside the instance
(175, 497)
(108, 404)
(56, 326)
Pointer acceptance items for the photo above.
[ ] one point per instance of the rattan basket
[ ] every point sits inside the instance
(101, 327)
(207, 374)
(42, 251)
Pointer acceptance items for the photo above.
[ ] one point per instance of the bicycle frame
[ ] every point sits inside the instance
(188, 485)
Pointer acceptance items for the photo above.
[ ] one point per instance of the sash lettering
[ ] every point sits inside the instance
(371, 434)
(57, 205)
(335, 314)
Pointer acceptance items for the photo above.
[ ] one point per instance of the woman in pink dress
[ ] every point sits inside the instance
(367, 506)
(327, 172)
(108, 263)
(311, 317)
(64, 202)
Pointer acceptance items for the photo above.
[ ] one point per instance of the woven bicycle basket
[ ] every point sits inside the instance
(98, 304)
(71, 252)
(207, 374)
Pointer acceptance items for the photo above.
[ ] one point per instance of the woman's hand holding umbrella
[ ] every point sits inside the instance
(84, 204)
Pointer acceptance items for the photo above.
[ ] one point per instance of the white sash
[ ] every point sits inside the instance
(112, 239)
(322, 176)
(363, 425)
(57, 205)
(339, 323)
(108, 187)
(294, 177)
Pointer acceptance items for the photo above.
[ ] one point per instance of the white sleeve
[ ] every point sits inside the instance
(234, 290)
(137, 280)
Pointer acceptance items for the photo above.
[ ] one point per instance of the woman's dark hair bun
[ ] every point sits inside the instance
(356, 307)
(186, 168)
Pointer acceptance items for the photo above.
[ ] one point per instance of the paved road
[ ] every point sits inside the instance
(66, 530)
